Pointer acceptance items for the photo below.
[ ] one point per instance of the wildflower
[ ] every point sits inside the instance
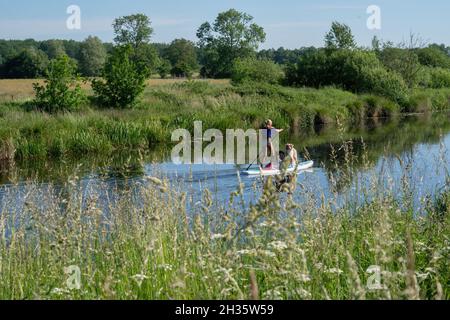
(278, 245)
(139, 278)
(218, 236)
(59, 291)
(272, 294)
(247, 252)
(165, 267)
(334, 271)
(303, 277)
(267, 253)
(304, 294)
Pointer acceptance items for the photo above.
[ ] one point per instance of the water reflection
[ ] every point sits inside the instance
(380, 148)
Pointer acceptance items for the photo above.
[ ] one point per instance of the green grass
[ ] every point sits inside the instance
(28, 134)
(160, 250)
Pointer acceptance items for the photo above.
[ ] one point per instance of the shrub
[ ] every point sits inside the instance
(252, 69)
(433, 57)
(123, 80)
(61, 91)
(310, 70)
(388, 84)
(439, 78)
(164, 68)
(354, 70)
(405, 62)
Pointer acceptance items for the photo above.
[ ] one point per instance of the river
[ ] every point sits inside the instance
(410, 152)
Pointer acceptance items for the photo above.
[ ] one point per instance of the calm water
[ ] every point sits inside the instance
(379, 150)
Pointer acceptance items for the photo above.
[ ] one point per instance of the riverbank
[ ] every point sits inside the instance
(276, 249)
(165, 106)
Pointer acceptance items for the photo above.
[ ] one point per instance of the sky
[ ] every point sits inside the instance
(287, 23)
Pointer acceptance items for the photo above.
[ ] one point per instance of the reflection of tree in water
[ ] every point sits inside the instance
(366, 142)
(121, 164)
(343, 153)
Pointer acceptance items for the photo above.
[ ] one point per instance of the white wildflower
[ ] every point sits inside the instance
(218, 236)
(278, 245)
(139, 278)
(334, 271)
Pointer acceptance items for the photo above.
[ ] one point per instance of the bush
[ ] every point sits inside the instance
(353, 70)
(252, 69)
(164, 68)
(433, 57)
(439, 78)
(385, 83)
(61, 91)
(123, 80)
(311, 70)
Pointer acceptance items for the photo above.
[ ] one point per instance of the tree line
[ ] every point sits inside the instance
(226, 48)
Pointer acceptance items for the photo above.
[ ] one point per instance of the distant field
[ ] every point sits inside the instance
(17, 89)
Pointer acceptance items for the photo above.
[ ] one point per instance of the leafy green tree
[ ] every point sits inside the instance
(136, 31)
(311, 69)
(53, 48)
(433, 57)
(183, 57)
(123, 79)
(255, 70)
(30, 63)
(439, 78)
(353, 70)
(92, 56)
(402, 61)
(133, 30)
(164, 68)
(61, 90)
(233, 35)
(340, 37)
(147, 55)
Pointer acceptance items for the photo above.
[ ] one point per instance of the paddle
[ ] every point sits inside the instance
(255, 160)
(259, 155)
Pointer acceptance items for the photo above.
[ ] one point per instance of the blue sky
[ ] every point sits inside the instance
(288, 23)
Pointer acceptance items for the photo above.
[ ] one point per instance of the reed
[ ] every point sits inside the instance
(164, 246)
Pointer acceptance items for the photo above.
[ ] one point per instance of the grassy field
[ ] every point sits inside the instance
(170, 104)
(276, 249)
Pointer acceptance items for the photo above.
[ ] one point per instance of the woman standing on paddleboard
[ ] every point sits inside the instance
(271, 131)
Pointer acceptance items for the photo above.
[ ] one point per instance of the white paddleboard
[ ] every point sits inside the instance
(273, 172)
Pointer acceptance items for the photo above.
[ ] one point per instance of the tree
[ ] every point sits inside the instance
(340, 37)
(232, 36)
(433, 57)
(53, 48)
(136, 31)
(123, 79)
(183, 57)
(402, 61)
(353, 70)
(133, 30)
(164, 68)
(92, 56)
(30, 63)
(61, 91)
(255, 70)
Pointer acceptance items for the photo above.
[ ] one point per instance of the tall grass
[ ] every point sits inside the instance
(156, 248)
(29, 134)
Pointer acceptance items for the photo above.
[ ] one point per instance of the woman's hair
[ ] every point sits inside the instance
(268, 122)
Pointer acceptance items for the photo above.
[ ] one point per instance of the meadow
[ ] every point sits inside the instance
(26, 133)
